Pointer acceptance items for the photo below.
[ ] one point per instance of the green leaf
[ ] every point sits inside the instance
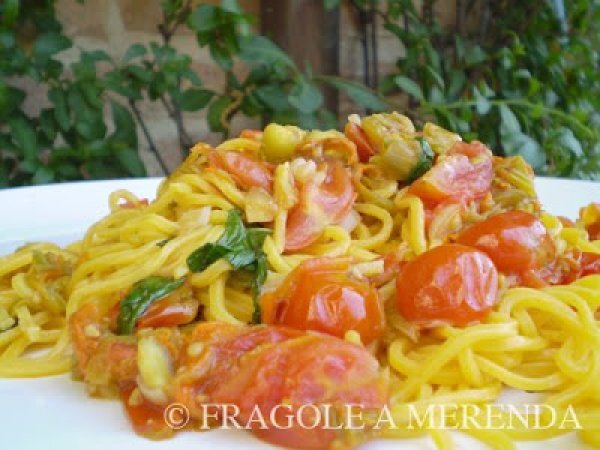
(10, 12)
(305, 96)
(257, 50)
(134, 51)
(242, 247)
(144, 75)
(141, 296)
(204, 18)
(48, 44)
(257, 283)
(43, 175)
(362, 95)
(221, 56)
(567, 139)
(475, 55)
(48, 125)
(231, 6)
(89, 123)
(125, 127)
(409, 86)
(130, 160)
(518, 143)
(457, 83)
(10, 99)
(273, 97)
(24, 137)
(330, 4)
(436, 77)
(424, 164)
(509, 123)
(194, 99)
(231, 241)
(482, 104)
(61, 110)
(215, 118)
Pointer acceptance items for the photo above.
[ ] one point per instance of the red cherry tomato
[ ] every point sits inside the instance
(319, 295)
(451, 284)
(516, 241)
(356, 134)
(246, 171)
(462, 174)
(263, 367)
(169, 312)
(310, 369)
(319, 205)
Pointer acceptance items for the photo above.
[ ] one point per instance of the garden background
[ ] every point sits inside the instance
(122, 88)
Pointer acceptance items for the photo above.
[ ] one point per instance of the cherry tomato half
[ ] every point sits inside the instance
(267, 367)
(246, 171)
(462, 174)
(319, 295)
(320, 205)
(452, 284)
(516, 241)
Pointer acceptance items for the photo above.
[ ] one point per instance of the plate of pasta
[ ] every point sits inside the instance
(380, 287)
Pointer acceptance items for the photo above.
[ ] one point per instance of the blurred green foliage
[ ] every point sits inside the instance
(88, 129)
(525, 79)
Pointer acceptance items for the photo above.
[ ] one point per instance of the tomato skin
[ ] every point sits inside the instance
(319, 205)
(262, 367)
(246, 171)
(146, 418)
(169, 312)
(310, 369)
(356, 134)
(462, 174)
(590, 264)
(516, 241)
(452, 284)
(319, 295)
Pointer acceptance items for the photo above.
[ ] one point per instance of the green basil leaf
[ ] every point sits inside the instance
(257, 283)
(241, 257)
(141, 296)
(204, 256)
(424, 164)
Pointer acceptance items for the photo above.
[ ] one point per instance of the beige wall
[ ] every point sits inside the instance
(113, 25)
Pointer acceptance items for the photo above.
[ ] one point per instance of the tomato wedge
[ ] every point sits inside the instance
(246, 172)
(319, 205)
(516, 241)
(356, 134)
(450, 284)
(319, 295)
(462, 174)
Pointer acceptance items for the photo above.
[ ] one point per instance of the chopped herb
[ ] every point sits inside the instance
(165, 241)
(242, 247)
(424, 164)
(142, 294)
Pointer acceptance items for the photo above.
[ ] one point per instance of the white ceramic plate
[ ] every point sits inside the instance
(55, 412)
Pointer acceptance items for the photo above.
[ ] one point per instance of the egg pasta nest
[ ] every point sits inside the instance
(374, 199)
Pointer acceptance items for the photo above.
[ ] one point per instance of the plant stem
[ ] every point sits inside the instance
(185, 141)
(153, 149)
